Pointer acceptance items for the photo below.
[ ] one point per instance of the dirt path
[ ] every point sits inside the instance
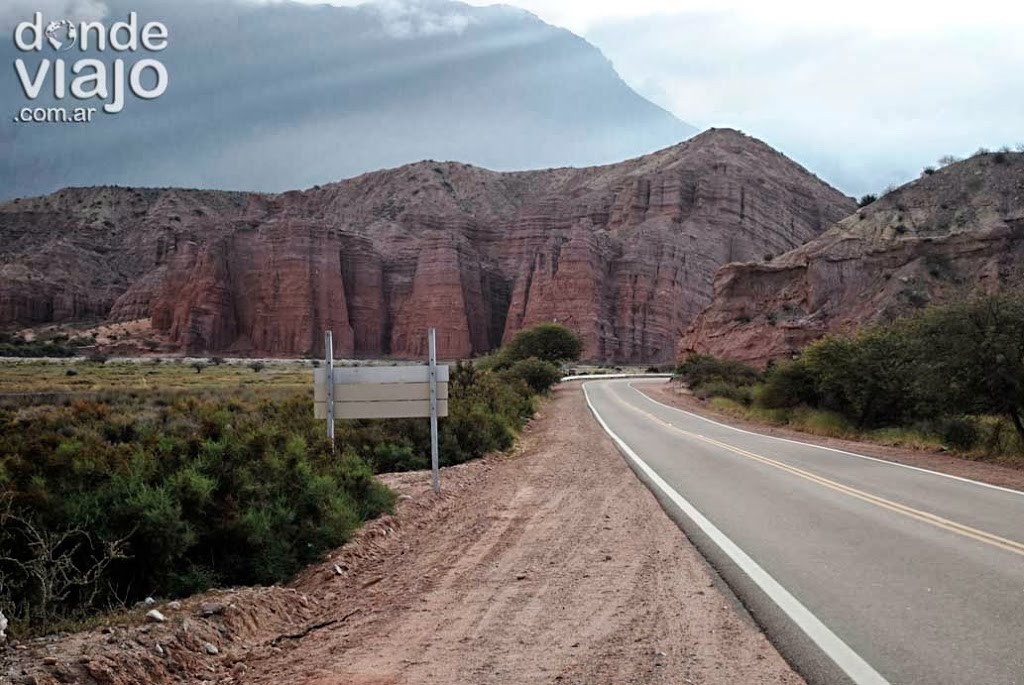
(554, 566)
(962, 467)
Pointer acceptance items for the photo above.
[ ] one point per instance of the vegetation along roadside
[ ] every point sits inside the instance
(951, 377)
(161, 479)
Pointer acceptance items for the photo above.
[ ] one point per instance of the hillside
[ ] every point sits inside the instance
(950, 234)
(624, 254)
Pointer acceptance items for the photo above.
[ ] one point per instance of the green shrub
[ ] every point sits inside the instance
(550, 342)
(392, 457)
(868, 378)
(788, 385)
(700, 369)
(933, 368)
(485, 411)
(739, 394)
(959, 432)
(196, 490)
(536, 373)
(60, 346)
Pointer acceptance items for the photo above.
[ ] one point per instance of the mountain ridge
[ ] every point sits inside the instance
(336, 91)
(623, 253)
(952, 234)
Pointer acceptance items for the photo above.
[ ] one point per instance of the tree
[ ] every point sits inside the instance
(789, 384)
(865, 378)
(867, 200)
(549, 342)
(973, 357)
(701, 369)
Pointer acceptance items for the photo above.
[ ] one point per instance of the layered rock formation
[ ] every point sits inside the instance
(624, 254)
(953, 233)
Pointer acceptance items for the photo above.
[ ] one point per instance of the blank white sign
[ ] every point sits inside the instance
(419, 409)
(382, 374)
(398, 392)
(380, 392)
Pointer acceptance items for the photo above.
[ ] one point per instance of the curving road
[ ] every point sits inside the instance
(860, 570)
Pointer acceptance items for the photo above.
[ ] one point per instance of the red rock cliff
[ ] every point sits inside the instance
(624, 254)
(949, 235)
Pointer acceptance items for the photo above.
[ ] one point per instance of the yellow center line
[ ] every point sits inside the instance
(917, 514)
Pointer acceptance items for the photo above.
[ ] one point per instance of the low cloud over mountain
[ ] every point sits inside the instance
(268, 96)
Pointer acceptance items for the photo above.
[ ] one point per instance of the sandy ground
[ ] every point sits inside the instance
(550, 565)
(675, 395)
(555, 565)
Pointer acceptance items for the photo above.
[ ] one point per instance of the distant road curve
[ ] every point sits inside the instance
(862, 571)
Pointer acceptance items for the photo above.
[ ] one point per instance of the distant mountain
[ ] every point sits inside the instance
(624, 254)
(267, 96)
(952, 234)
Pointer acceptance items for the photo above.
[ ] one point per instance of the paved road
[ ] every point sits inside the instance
(861, 570)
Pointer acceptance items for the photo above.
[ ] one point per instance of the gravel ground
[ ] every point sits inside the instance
(554, 565)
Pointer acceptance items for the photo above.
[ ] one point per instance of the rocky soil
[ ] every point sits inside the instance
(951, 234)
(550, 565)
(624, 254)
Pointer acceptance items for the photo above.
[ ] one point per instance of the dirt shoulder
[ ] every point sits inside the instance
(552, 565)
(993, 474)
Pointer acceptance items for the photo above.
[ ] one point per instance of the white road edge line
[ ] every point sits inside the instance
(828, 449)
(851, 663)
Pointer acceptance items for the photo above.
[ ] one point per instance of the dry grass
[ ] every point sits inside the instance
(52, 376)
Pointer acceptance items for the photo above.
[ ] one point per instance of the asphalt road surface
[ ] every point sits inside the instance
(860, 570)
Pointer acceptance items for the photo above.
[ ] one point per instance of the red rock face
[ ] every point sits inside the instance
(945, 237)
(623, 254)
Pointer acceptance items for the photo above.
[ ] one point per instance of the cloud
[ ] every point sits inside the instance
(13, 12)
(863, 105)
(412, 18)
(408, 18)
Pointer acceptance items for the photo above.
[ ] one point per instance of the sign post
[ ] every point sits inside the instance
(329, 348)
(394, 392)
(432, 351)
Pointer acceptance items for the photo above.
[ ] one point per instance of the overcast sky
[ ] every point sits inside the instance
(865, 93)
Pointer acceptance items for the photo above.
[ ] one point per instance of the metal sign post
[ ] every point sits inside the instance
(329, 351)
(394, 392)
(432, 350)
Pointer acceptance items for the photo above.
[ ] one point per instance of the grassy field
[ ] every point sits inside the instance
(20, 377)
